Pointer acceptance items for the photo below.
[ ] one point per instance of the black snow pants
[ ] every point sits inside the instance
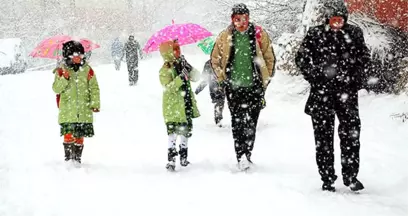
(217, 95)
(218, 110)
(347, 112)
(245, 105)
(133, 69)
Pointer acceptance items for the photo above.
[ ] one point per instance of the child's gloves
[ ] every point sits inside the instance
(65, 73)
(185, 64)
(62, 72)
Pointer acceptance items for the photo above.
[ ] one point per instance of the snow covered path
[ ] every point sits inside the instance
(123, 165)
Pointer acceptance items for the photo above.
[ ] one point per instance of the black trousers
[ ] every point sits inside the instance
(245, 106)
(218, 109)
(217, 95)
(349, 134)
(133, 69)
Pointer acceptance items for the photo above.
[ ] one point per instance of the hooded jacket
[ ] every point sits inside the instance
(333, 62)
(175, 103)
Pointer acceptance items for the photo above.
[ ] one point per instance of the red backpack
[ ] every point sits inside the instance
(60, 72)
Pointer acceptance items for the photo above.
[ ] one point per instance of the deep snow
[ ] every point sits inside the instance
(123, 171)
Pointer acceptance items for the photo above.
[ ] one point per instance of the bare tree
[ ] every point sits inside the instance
(277, 16)
(34, 20)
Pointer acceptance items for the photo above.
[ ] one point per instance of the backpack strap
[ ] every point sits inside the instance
(90, 73)
(258, 35)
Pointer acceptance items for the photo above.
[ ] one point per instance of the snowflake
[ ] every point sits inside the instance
(344, 97)
(373, 80)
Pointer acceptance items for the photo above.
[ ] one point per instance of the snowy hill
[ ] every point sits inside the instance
(123, 170)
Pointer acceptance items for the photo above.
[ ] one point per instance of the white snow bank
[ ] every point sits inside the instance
(9, 47)
(123, 165)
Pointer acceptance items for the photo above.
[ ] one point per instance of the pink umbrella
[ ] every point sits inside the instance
(52, 47)
(185, 34)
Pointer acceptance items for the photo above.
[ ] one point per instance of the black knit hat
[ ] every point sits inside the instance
(335, 8)
(71, 47)
(239, 9)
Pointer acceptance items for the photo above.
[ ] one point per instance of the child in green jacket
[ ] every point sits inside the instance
(179, 104)
(77, 97)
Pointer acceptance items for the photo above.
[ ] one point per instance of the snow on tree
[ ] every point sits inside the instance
(275, 16)
(99, 20)
(387, 41)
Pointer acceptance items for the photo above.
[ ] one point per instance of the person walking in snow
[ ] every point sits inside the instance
(333, 58)
(243, 60)
(117, 53)
(78, 97)
(179, 104)
(217, 92)
(133, 53)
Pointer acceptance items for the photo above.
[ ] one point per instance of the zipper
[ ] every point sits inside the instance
(76, 84)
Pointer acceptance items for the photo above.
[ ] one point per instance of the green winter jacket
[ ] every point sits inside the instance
(173, 97)
(78, 95)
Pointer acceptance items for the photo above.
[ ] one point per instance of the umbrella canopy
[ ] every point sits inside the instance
(187, 33)
(52, 47)
(207, 45)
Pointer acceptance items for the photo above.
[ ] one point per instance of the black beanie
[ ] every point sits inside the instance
(239, 9)
(71, 47)
(68, 50)
(335, 8)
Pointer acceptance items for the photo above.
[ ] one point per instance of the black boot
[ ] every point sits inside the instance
(68, 151)
(171, 157)
(248, 156)
(78, 152)
(183, 157)
(354, 185)
(218, 108)
(329, 185)
(218, 121)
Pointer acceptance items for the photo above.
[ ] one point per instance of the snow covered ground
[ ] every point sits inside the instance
(123, 170)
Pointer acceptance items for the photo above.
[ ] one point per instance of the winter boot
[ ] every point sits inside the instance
(243, 164)
(78, 152)
(171, 157)
(68, 151)
(354, 185)
(329, 185)
(183, 157)
(218, 121)
(248, 156)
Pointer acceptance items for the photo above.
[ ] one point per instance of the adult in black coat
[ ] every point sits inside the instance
(133, 52)
(333, 58)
